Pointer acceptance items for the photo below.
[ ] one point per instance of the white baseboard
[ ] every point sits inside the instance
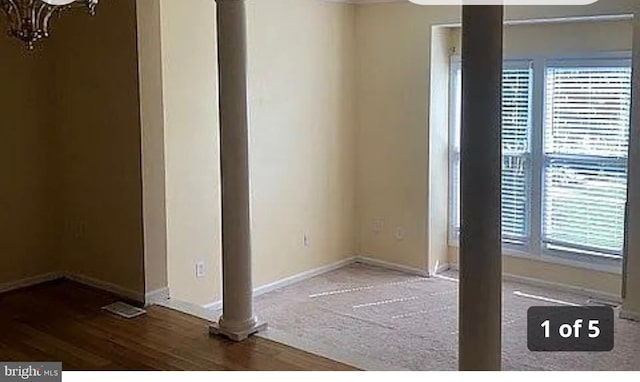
(562, 287)
(626, 314)
(301, 276)
(217, 305)
(441, 268)
(107, 286)
(396, 267)
(156, 297)
(557, 286)
(190, 309)
(30, 281)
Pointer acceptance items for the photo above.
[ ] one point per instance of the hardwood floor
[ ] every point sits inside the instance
(62, 321)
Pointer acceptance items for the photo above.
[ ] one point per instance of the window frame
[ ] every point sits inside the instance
(572, 251)
(534, 248)
(454, 156)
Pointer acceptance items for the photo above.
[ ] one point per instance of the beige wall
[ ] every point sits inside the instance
(72, 136)
(559, 39)
(302, 127)
(97, 122)
(396, 180)
(302, 143)
(191, 143)
(153, 135)
(27, 213)
(340, 137)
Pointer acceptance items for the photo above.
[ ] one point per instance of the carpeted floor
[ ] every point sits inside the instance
(377, 319)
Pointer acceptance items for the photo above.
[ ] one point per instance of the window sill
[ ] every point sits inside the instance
(612, 266)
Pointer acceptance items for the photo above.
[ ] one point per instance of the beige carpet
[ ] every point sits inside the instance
(377, 319)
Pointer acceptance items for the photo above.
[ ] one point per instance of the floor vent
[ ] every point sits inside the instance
(124, 310)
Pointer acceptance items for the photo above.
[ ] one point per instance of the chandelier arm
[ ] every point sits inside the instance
(14, 21)
(33, 19)
(47, 17)
(29, 20)
(41, 17)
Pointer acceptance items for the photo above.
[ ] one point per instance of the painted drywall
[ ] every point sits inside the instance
(393, 96)
(98, 125)
(190, 89)
(302, 131)
(153, 156)
(28, 235)
(562, 39)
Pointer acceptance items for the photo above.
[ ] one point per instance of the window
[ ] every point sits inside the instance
(564, 173)
(516, 119)
(516, 132)
(586, 135)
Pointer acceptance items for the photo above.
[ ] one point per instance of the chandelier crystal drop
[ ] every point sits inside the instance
(29, 20)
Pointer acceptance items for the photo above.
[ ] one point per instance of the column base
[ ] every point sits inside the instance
(237, 335)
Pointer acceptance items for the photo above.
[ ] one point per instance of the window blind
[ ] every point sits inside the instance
(516, 126)
(587, 111)
(517, 84)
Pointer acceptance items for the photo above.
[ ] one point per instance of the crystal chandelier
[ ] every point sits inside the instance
(29, 19)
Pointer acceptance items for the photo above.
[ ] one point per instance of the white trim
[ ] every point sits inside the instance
(30, 281)
(191, 309)
(554, 20)
(393, 266)
(629, 315)
(535, 248)
(302, 276)
(106, 286)
(439, 268)
(287, 281)
(157, 296)
(559, 260)
(217, 305)
(560, 287)
(586, 292)
(605, 267)
(80, 279)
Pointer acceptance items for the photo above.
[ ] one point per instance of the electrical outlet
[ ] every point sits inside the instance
(400, 234)
(200, 269)
(378, 225)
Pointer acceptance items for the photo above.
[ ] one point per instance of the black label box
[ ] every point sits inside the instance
(570, 329)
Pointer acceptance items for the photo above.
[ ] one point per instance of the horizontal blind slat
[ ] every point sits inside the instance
(587, 113)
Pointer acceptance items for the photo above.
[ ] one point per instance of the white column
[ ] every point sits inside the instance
(238, 321)
(480, 340)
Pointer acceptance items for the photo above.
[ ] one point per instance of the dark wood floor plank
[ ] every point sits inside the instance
(63, 321)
